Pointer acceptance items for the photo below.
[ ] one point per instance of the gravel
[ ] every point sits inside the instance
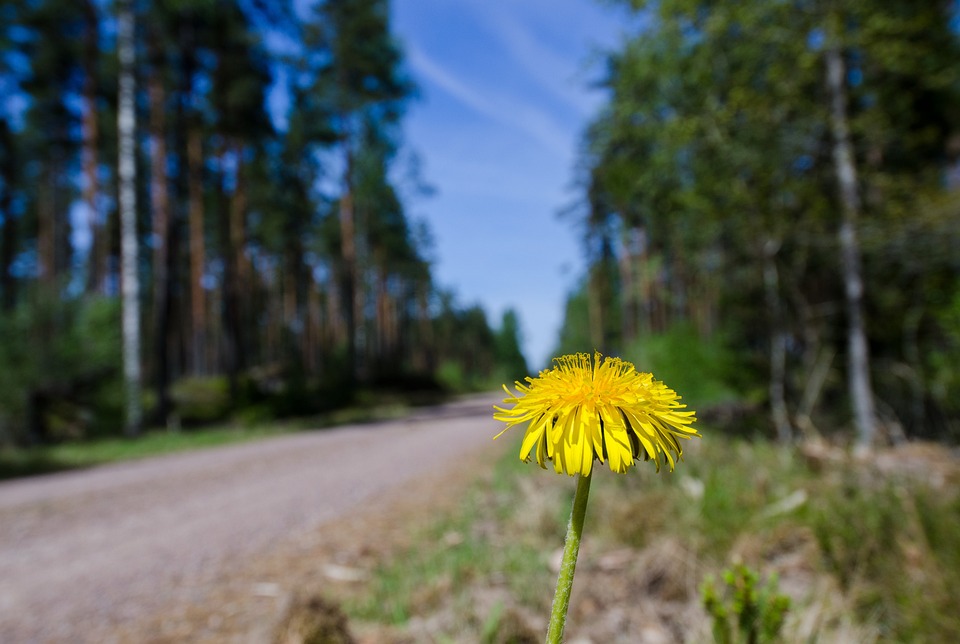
(88, 553)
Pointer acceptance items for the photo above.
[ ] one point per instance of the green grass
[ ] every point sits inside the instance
(468, 548)
(896, 550)
(893, 544)
(68, 456)
(738, 479)
(45, 459)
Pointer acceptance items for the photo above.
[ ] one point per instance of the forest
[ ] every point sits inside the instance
(768, 205)
(207, 237)
(771, 213)
(260, 257)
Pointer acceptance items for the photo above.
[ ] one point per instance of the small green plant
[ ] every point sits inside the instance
(752, 615)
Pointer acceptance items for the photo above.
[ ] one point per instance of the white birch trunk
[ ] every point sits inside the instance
(858, 368)
(127, 174)
(778, 344)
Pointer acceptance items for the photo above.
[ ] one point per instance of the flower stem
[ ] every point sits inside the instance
(561, 600)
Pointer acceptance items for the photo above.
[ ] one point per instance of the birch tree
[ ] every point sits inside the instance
(858, 354)
(127, 174)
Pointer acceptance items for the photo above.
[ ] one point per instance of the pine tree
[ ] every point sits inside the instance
(357, 74)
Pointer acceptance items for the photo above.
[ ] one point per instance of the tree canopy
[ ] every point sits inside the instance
(712, 183)
(281, 269)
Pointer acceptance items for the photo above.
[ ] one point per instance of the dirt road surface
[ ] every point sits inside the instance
(98, 554)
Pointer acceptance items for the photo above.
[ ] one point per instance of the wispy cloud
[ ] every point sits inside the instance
(509, 76)
(505, 110)
(549, 69)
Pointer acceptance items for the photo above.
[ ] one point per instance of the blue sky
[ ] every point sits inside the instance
(505, 97)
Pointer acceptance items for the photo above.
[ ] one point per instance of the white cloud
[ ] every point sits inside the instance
(551, 70)
(500, 144)
(509, 111)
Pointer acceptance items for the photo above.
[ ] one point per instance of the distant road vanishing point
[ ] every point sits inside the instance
(81, 551)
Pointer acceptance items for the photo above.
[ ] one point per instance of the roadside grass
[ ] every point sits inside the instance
(890, 540)
(72, 455)
(477, 546)
(866, 554)
(17, 462)
(475, 574)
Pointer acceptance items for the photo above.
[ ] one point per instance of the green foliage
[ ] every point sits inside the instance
(450, 376)
(466, 347)
(201, 400)
(304, 264)
(511, 365)
(943, 365)
(752, 614)
(59, 374)
(474, 357)
(359, 66)
(592, 320)
(703, 369)
(710, 185)
(575, 332)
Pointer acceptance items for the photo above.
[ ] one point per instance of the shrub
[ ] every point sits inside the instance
(743, 612)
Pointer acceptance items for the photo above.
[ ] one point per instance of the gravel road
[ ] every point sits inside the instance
(82, 551)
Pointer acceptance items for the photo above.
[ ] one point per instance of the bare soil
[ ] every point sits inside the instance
(215, 545)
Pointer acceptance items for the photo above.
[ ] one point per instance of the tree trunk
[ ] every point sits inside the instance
(46, 225)
(198, 311)
(238, 246)
(629, 316)
(385, 359)
(811, 393)
(91, 142)
(62, 248)
(858, 368)
(425, 337)
(337, 318)
(159, 188)
(914, 358)
(127, 175)
(595, 308)
(163, 231)
(778, 344)
(348, 272)
(297, 291)
(313, 335)
(291, 313)
(8, 245)
(230, 293)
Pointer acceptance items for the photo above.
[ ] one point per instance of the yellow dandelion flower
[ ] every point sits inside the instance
(581, 410)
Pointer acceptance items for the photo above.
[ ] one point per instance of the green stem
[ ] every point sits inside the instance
(561, 600)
